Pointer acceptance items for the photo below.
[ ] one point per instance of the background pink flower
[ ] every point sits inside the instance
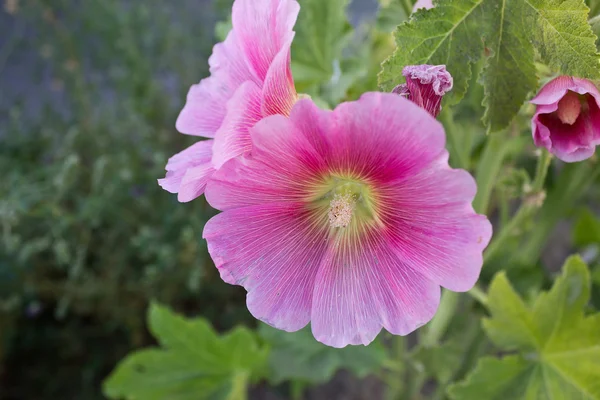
(250, 78)
(567, 118)
(349, 219)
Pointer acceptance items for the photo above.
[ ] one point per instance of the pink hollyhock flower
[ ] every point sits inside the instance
(349, 219)
(425, 85)
(426, 4)
(250, 79)
(567, 118)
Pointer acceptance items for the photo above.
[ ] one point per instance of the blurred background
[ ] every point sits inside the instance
(89, 94)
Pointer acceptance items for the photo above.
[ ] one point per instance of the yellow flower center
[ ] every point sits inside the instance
(348, 202)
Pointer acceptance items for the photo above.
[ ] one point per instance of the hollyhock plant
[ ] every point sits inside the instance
(250, 78)
(567, 118)
(425, 85)
(348, 219)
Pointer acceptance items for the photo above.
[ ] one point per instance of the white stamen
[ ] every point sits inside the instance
(341, 210)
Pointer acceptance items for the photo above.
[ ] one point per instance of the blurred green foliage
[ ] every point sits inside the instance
(88, 237)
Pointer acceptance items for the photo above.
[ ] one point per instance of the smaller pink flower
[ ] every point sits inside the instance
(251, 78)
(567, 118)
(426, 4)
(425, 85)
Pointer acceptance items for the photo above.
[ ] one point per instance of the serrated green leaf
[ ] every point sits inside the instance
(508, 32)
(193, 363)
(299, 356)
(563, 36)
(321, 33)
(558, 346)
(447, 34)
(509, 73)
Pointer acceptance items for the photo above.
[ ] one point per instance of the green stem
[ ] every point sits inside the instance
(501, 238)
(526, 209)
(572, 183)
(541, 171)
(439, 323)
(395, 380)
(459, 158)
(498, 146)
(478, 294)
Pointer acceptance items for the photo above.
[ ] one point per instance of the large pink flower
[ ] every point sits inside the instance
(349, 219)
(250, 79)
(567, 118)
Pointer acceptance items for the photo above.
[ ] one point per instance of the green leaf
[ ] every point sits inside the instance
(507, 33)
(192, 363)
(587, 229)
(321, 33)
(509, 73)
(442, 35)
(558, 347)
(299, 356)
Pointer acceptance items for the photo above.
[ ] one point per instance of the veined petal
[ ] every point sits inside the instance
(204, 109)
(243, 111)
(375, 123)
(362, 287)
(434, 228)
(188, 171)
(279, 93)
(281, 163)
(280, 278)
(263, 27)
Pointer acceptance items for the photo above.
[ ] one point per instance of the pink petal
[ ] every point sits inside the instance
(281, 162)
(243, 111)
(194, 182)
(228, 60)
(570, 143)
(375, 123)
(263, 27)
(363, 287)
(204, 109)
(188, 171)
(279, 93)
(433, 226)
(279, 278)
(554, 90)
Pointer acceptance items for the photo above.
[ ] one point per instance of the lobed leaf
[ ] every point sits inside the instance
(558, 347)
(193, 362)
